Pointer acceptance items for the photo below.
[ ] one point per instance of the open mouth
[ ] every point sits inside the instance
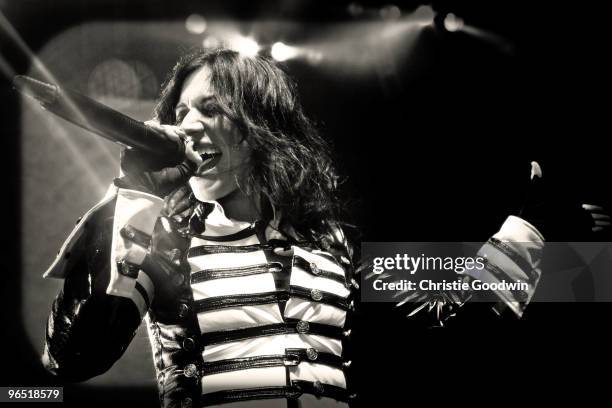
(209, 160)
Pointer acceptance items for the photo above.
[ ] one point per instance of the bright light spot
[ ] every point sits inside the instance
(211, 42)
(424, 15)
(452, 22)
(245, 46)
(390, 12)
(282, 52)
(195, 24)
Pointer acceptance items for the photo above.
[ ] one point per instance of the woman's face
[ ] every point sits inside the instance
(217, 140)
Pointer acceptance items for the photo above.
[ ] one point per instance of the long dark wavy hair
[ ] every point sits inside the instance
(292, 164)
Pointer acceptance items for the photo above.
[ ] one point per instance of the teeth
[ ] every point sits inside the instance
(208, 155)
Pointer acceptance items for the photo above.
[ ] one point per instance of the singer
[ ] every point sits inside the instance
(235, 257)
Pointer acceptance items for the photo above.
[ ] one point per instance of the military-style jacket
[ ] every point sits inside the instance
(246, 316)
(250, 317)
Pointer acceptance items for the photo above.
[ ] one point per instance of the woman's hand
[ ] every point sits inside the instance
(141, 171)
(600, 217)
(179, 132)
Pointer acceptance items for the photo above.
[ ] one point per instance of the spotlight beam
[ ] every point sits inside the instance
(6, 68)
(48, 76)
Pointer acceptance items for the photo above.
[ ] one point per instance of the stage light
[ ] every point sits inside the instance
(282, 52)
(423, 16)
(195, 24)
(245, 45)
(355, 9)
(452, 22)
(390, 12)
(211, 42)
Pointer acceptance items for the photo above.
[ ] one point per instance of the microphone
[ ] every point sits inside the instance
(102, 120)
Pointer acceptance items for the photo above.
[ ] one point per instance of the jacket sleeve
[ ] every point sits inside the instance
(103, 299)
(512, 255)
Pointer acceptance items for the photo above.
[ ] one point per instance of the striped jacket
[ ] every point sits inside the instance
(248, 317)
(252, 318)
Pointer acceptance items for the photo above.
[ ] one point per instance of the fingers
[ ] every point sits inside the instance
(181, 216)
(190, 152)
(190, 129)
(536, 170)
(178, 201)
(593, 208)
(174, 132)
(182, 133)
(600, 216)
(178, 205)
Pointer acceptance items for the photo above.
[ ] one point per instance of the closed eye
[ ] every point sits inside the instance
(209, 109)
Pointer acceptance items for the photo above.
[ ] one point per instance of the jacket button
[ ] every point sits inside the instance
(316, 295)
(187, 403)
(190, 371)
(303, 327)
(314, 269)
(175, 254)
(128, 232)
(188, 344)
(312, 354)
(183, 310)
(127, 269)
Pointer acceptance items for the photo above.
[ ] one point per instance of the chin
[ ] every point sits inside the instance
(205, 189)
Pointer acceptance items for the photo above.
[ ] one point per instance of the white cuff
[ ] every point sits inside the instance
(139, 210)
(513, 255)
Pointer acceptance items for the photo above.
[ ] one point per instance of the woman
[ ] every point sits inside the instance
(244, 276)
(242, 271)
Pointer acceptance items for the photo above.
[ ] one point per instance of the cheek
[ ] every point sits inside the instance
(231, 132)
(239, 156)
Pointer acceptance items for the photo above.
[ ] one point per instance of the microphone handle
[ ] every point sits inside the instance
(104, 121)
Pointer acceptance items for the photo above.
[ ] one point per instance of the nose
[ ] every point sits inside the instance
(192, 119)
(192, 125)
(195, 129)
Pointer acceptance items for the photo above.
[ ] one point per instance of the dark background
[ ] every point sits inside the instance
(439, 150)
